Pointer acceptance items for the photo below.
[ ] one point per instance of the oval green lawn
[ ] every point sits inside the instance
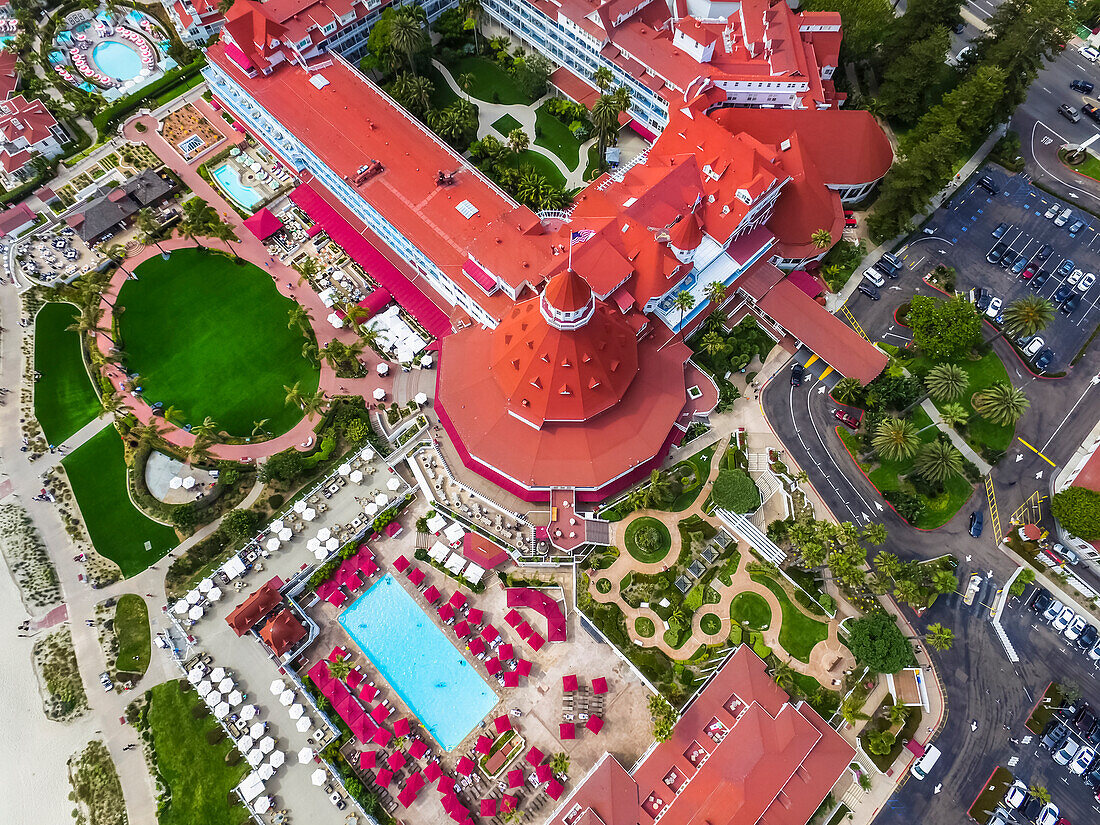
(710, 623)
(210, 337)
(750, 610)
(643, 626)
(64, 400)
(647, 556)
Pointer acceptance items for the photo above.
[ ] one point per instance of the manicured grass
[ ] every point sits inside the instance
(442, 94)
(984, 372)
(710, 623)
(541, 164)
(592, 165)
(647, 556)
(555, 136)
(644, 627)
(699, 466)
(823, 701)
(491, 83)
(1089, 167)
(211, 338)
(196, 773)
(750, 610)
(1052, 698)
(64, 400)
(97, 472)
(132, 629)
(799, 633)
(506, 124)
(993, 791)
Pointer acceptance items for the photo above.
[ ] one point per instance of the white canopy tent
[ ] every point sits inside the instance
(296, 711)
(215, 594)
(323, 534)
(256, 730)
(251, 787)
(222, 710)
(394, 483)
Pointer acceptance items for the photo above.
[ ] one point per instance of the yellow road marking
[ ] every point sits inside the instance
(994, 517)
(1047, 460)
(825, 374)
(811, 361)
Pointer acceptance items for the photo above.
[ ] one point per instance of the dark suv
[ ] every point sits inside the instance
(1041, 600)
(982, 298)
(1091, 112)
(1084, 719)
(988, 185)
(797, 371)
(997, 252)
(1086, 641)
(1054, 735)
(1082, 86)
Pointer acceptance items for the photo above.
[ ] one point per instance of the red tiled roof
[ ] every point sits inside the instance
(567, 292)
(8, 76)
(183, 14)
(247, 614)
(15, 217)
(481, 551)
(283, 632)
(1089, 477)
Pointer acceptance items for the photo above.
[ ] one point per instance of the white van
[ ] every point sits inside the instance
(925, 764)
(875, 277)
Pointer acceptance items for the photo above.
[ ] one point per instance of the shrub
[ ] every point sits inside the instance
(734, 490)
(877, 641)
(1078, 511)
(240, 523)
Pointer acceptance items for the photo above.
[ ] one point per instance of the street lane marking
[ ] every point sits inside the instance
(1047, 460)
(811, 361)
(825, 374)
(1064, 420)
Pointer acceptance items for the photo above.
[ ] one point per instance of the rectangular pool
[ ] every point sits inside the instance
(428, 672)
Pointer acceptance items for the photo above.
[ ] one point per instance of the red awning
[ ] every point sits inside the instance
(479, 276)
(916, 747)
(806, 282)
(263, 224)
(376, 300)
(623, 299)
(238, 57)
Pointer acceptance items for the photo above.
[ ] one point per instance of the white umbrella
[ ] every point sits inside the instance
(276, 759)
(256, 730)
(344, 469)
(212, 698)
(225, 685)
(277, 687)
(320, 553)
(249, 712)
(421, 398)
(175, 483)
(305, 755)
(195, 613)
(296, 711)
(383, 369)
(379, 394)
(263, 804)
(285, 534)
(265, 772)
(276, 525)
(204, 687)
(356, 476)
(222, 710)
(367, 454)
(255, 757)
(371, 509)
(394, 483)
(244, 744)
(426, 362)
(193, 597)
(194, 675)
(217, 674)
(310, 514)
(323, 534)
(381, 499)
(313, 545)
(272, 544)
(205, 585)
(180, 607)
(235, 698)
(319, 777)
(189, 482)
(267, 744)
(300, 506)
(303, 724)
(287, 699)
(332, 544)
(214, 594)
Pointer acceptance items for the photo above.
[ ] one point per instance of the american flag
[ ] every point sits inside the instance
(580, 236)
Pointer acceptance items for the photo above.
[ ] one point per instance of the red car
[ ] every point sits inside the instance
(850, 222)
(1028, 273)
(847, 419)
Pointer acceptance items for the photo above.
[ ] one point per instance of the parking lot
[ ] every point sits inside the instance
(966, 225)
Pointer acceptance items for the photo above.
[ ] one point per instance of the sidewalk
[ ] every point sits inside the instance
(983, 466)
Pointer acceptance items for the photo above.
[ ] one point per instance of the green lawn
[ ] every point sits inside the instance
(1090, 167)
(211, 338)
(644, 627)
(983, 373)
(591, 168)
(442, 94)
(710, 623)
(647, 556)
(799, 633)
(490, 82)
(555, 136)
(699, 465)
(750, 610)
(97, 472)
(132, 629)
(506, 124)
(64, 400)
(195, 772)
(541, 163)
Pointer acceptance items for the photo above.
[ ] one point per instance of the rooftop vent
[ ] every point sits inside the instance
(466, 209)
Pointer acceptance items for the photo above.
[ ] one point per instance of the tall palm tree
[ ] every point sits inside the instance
(310, 351)
(847, 389)
(939, 637)
(783, 674)
(294, 395)
(1001, 403)
(714, 343)
(172, 413)
(603, 78)
(199, 450)
(938, 461)
(954, 415)
(1040, 792)
(113, 404)
(685, 302)
(887, 563)
(313, 404)
(148, 434)
(851, 710)
(466, 82)
(221, 231)
(895, 439)
(207, 429)
(946, 382)
(874, 533)
(307, 268)
(715, 292)
(198, 217)
(944, 581)
(605, 120)
(821, 239)
(148, 228)
(518, 141)
(298, 317)
(1025, 317)
(407, 37)
(472, 11)
(259, 427)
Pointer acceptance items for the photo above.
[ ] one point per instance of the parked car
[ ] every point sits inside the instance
(972, 588)
(797, 371)
(1092, 778)
(1082, 86)
(1054, 735)
(1048, 815)
(1018, 267)
(1076, 227)
(986, 182)
(1063, 218)
(1081, 762)
(1000, 230)
(1064, 291)
(874, 276)
(1086, 282)
(1067, 751)
(1094, 654)
(1071, 303)
(1064, 554)
(1087, 639)
(1069, 113)
(850, 222)
(1009, 258)
(1041, 600)
(1031, 808)
(1074, 628)
(1064, 618)
(892, 258)
(1052, 211)
(1044, 252)
(887, 268)
(1074, 277)
(1089, 53)
(982, 297)
(1084, 719)
(993, 308)
(868, 290)
(1017, 793)
(846, 418)
(1091, 112)
(976, 520)
(1066, 267)
(1034, 346)
(1040, 278)
(1028, 273)
(1053, 611)
(1043, 359)
(997, 252)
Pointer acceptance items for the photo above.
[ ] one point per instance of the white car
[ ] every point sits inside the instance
(1064, 618)
(1094, 654)
(1033, 346)
(993, 308)
(1073, 630)
(1016, 794)
(1052, 612)
(1086, 282)
(1074, 277)
(1062, 218)
(1080, 763)
(1064, 755)
(875, 277)
(1089, 53)
(1051, 212)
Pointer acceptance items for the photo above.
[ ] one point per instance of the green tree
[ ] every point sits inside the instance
(605, 118)
(874, 533)
(603, 78)
(735, 491)
(905, 90)
(877, 641)
(207, 429)
(895, 439)
(559, 764)
(1040, 792)
(851, 709)
(294, 395)
(518, 141)
(939, 637)
(847, 390)
(1025, 317)
(663, 716)
(783, 675)
(1025, 577)
(307, 268)
(922, 18)
(821, 239)
(198, 219)
(285, 466)
(944, 329)
(685, 302)
(239, 524)
(1001, 403)
(954, 415)
(713, 343)
(1078, 511)
(149, 231)
(340, 667)
(407, 36)
(879, 742)
(946, 382)
(472, 10)
(938, 461)
(413, 92)
(944, 581)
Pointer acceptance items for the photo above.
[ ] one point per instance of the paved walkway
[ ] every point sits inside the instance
(983, 466)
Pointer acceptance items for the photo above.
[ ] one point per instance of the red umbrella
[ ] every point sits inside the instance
(465, 766)
(536, 641)
(462, 629)
(493, 666)
(474, 616)
(433, 771)
(513, 618)
(445, 786)
(406, 797)
(554, 789)
(446, 612)
(417, 748)
(535, 756)
(488, 807)
(457, 599)
(489, 633)
(477, 647)
(383, 777)
(505, 652)
(542, 773)
(401, 727)
(431, 594)
(450, 801)
(569, 683)
(459, 813)
(379, 713)
(524, 630)
(599, 685)
(515, 778)
(508, 803)
(416, 576)
(502, 723)
(523, 667)
(369, 692)
(594, 724)
(484, 745)
(566, 730)
(368, 759)
(401, 564)
(396, 760)
(511, 678)
(416, 781)
(382, 737)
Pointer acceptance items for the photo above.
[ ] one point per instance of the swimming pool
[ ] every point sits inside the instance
(428, 672)
(230, 181)
(117, 60)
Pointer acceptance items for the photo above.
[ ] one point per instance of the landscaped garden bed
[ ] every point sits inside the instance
(55, 659)
(993, 791)
(131, 627)
(884, 736)
(647, 540)
(799, 633)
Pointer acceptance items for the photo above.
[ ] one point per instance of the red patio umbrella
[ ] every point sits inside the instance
(508, 803)
(554, 789)
(599, 685)
(368, 692)
(383, 777)
(401, 564)
(566, 731)
(459, 813)
(477, 647)
(502, 723)
(379, 713)
(450, 801)
(505, 652)
(542, 773)
(431, 594)
(493, 666)
(417, 748)
(406, 797)
(569, 683)
(433, 771)
(458, 598)
(462, 629)
(513, 618)
(489, 633)
(382, 737)
(338, 652)
(446, 786)
(396, 760)
(594, 724)
(535, 756)
(416, 576)
(515, 778)
(354, 678)
(446, 612)
(474, 616)
(524, 630)
(536, 641)
(469, 820)
(523, 667)
(416, 781)
(511, 678)
(465, 766)
(484, 745)
(368, 759)
(488, 807)
(401, 727)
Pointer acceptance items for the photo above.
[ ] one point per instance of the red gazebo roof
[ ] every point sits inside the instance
(263, 224)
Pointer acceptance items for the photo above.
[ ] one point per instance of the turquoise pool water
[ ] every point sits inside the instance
(428, 672)
(117, 60)
(230, 181)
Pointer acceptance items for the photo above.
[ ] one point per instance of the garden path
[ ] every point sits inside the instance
(983, 466)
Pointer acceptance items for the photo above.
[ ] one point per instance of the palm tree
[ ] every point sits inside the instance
(659, 490)
(148, 228)
(260, 427)
(908, 591)
(896, 439)
(954, 415)
(407, 37)
(946, 382)
(874, 534)
(199, 450)
(1025, 316)
(334, 353)
(529, 186)
(847, 389)
(897, 714)
(603, 78)
(221, 231)
(938, 461)
(851, 710)
(466, 82)
(207, 429)
(310, 352)
(944, 581)
(198, 217)
(821, 239)
(1040, 792)
(685, 302)
(1001, 403)
(887, 563)
(472, 11)
(339, 668)
(605, 120)
(518, 141)
(783, 675)
(294, 395)
(313, 404)
(113, 404)
(713, 343)
(172, 413)
(148, 434)
(715, 292)
(355, 315)
(299, 316)
(307, 268)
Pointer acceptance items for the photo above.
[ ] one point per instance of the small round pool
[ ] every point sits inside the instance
(117, 60)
